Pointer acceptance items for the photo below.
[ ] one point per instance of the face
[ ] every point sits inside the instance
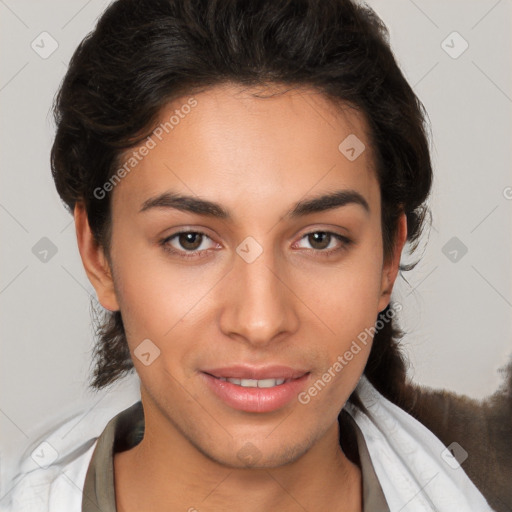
(257, 286)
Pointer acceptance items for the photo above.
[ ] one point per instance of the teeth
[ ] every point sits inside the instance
(269, 383)
(253, 383)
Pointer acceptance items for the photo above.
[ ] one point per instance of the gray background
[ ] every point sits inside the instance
(457, 308)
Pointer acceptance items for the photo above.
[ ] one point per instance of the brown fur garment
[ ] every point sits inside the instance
(483, 428)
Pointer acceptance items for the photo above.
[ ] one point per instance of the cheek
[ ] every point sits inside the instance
(147, 292)
(347, 295)
(350, 313)
(146, 283)
(346, 300)
(163, 301)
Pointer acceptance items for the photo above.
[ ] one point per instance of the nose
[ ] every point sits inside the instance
(259, 305)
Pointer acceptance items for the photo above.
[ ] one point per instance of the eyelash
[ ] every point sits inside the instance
(346, 242)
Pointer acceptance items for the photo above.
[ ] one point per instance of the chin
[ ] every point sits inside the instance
(259, 455)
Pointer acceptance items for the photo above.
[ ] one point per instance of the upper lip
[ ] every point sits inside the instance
(257, 373)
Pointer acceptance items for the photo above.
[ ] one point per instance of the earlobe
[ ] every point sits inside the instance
(94, 260)
(390, 269)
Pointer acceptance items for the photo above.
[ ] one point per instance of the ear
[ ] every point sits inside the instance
(94, 260)
(390, 269)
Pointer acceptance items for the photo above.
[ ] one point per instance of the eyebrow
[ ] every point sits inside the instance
(302, 208)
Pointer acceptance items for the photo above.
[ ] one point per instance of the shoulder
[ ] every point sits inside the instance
(481, 430)
(411, 462)
(56, 487)
(50, 473)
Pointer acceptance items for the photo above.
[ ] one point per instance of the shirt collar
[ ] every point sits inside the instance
(126, 430)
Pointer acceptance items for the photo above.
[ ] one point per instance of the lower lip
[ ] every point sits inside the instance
(255, 399)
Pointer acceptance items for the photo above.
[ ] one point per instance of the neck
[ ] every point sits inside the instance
(166, 472)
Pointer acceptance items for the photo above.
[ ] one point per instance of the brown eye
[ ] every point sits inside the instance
(190, 241)
(187, 244)
(324, 242)
(319, 240)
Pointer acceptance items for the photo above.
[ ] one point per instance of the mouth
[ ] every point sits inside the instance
(254, 383)
(255, 390)
(247, 372)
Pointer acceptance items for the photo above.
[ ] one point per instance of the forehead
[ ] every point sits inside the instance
(230, 143)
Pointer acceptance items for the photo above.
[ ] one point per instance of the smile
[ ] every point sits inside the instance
(255, 395)
(254, 383)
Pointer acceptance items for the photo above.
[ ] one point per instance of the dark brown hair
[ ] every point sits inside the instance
(145, 53)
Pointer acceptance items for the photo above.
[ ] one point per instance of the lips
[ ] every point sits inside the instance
(256, 373)
(255, 392)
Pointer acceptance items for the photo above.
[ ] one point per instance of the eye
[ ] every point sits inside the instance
(186, 242)
(322, 242)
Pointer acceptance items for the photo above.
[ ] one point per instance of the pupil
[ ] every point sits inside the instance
(188, 243)
(320, 234)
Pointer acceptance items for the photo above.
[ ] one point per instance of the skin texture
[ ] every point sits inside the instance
(292, 305)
